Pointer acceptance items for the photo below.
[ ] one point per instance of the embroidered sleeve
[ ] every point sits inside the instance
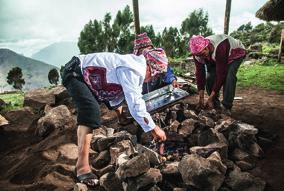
(169, 76)
(131, 84)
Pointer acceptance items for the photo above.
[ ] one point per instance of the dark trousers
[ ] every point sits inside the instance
(229, 86)
(86, 104)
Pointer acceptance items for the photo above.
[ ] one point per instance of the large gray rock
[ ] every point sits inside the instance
(107, 169)
(244, 181)
(152, 176)
(102, 160)
(111, 182)
(210, 136)
(187, 127)
(153, 157)
(105, 143)
(244, 165)
(38, 98)
(224, 125)
(204, 174)
(171, 168)
(207, 150)
(80, 187)
(174, 126)
(57, 118)
(21, 120)
(97, 135)
(242, 136)
(124, 146)
(60, 93)
(239, 155)
(122, 158)
(134, 167)
(68, 151)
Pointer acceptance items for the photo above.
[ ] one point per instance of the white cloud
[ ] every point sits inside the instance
(34, 23)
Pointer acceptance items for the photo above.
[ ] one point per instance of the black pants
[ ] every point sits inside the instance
(229, 86)
(87, 106)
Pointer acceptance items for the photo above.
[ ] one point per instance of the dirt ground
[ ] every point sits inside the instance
(20, 159)
(265, 110)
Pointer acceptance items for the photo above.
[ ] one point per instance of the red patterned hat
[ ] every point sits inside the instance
(141, 41)
(157, 60)
(197, 43)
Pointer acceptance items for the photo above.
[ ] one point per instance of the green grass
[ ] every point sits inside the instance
(268, 74)
(14, 100)
(268, 48)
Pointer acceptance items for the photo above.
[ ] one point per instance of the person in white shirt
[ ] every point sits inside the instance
(109, 78)
(142, 45)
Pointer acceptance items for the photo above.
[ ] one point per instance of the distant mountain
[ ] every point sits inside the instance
(57, 54)
(34, 72)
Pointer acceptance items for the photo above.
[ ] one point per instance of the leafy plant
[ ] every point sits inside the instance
(15, 78)
(53, 76)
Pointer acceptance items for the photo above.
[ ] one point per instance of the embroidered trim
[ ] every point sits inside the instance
(95, 77)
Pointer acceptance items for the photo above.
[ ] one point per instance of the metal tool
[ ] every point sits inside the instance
(162, 97)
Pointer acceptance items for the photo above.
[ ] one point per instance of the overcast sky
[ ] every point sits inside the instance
(27, 26)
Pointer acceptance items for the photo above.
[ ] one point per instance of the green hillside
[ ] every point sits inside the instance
(34, 72)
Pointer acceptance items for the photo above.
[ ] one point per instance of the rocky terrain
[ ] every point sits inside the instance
(205, 150)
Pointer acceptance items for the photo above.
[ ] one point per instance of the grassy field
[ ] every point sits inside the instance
(266, 74)
(14, 100)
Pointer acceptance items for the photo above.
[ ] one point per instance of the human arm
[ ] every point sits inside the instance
(200, 80)
(131, 84)
(170, 78)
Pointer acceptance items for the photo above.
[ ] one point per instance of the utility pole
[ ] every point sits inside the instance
(136, 16)
(227, 16)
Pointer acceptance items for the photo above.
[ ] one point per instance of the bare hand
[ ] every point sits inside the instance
(209, 104)
(200, 104)
(175, 84)
(158, 134)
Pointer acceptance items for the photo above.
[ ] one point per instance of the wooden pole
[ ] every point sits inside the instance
(227, 16)
(281, 46)
(136, 16)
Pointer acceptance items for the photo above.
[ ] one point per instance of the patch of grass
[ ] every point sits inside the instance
(270, 48)
(267, 74)
(13, 100)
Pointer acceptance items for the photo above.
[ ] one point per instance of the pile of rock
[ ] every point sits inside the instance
(205, 150)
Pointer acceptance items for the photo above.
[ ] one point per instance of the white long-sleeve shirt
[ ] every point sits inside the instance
(132, 88)
(128, 71)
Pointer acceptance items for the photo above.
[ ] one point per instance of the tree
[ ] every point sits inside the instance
(53, 76)
(100, 36)
(108, 34)
(196, 24)
(264, 32)
(124, 29)
(91, 38)
(170, 41)
(156, 39)
(15, 78)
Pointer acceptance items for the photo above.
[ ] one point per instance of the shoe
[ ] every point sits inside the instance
(90, 179)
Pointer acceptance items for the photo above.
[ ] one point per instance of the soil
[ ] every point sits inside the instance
(22, 164)
(265, 110)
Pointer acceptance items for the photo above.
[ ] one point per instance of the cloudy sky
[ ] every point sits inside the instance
(26, 26)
